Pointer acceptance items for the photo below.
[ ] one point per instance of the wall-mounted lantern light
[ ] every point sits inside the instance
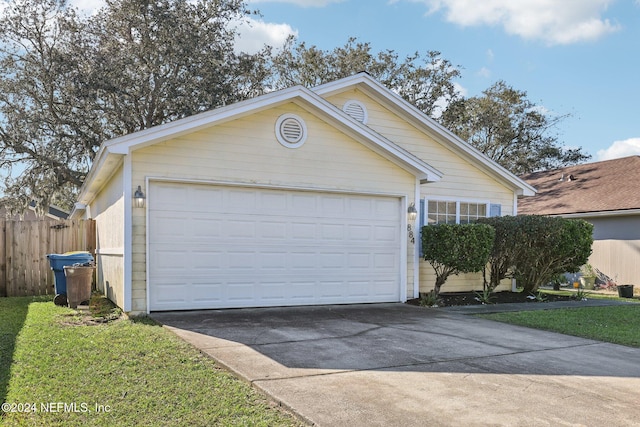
(412, 214)
(138, 198)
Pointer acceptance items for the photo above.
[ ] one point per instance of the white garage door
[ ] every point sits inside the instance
(222, 247)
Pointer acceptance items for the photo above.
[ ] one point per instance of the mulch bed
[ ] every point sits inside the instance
(469, 298)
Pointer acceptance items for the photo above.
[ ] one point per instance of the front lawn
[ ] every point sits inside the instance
(615, 324)
(58, 368)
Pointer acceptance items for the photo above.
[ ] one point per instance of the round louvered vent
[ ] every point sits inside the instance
(291, 131)
(356, 109)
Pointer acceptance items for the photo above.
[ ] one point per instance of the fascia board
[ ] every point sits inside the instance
(124, 145)
(389, 98)
(127, 143)
(373, 140)
(104, 166)
(600, 214)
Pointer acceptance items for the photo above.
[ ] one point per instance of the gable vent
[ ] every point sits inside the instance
(291, 131)
(356, 110)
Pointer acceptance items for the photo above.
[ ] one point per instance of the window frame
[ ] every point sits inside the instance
(458, 201)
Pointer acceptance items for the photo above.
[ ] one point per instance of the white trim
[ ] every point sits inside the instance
(303, 97)
(403, 248)
(282, 138)
(383, 94)
(402, 198)
(271, 186)
(110, 251)
(147, 186)
(457, 201)
(416, 252)
(515, 205)
(128, 234)
(108, 158)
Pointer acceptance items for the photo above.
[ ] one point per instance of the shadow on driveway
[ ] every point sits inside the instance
(395, 364)
(403, 338)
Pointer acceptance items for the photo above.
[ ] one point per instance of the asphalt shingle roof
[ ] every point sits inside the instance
(593, 187)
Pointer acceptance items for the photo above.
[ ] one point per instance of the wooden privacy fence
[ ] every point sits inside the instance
(24, 245)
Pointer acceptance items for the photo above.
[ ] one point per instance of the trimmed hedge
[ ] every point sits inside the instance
(534, 249)
(456, 248)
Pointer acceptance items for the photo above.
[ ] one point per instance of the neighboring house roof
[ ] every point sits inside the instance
(602, 188)
(53, 212)
(112, 152)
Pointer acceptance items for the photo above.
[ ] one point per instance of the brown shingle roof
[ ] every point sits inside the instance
(593, 187)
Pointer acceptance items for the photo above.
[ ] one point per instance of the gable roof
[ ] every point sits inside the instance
(600, 188)
(111, 153)
(426, 124)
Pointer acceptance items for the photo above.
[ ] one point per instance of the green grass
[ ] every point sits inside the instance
(615, 324)
(592, 294)
(139, 372)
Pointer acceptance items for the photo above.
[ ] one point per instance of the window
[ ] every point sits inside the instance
(469, 212)
(454, 212)
(440, 212)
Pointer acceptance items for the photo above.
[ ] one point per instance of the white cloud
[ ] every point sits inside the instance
(553, 21)
(301, 3)
(461, 89)
(484, 72)
(627, 147)
(254, 34)
(491, 55)
(87, 6)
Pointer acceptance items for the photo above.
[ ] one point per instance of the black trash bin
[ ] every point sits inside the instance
(57, 262)
(79, 278)
(625, 291)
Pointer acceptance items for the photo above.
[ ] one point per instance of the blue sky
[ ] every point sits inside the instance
(578, 57)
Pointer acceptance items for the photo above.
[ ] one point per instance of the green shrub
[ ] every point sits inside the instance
(455, 249)
(534, 249)
(505, 248)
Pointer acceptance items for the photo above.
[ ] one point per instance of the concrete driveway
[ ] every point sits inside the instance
(399, 365)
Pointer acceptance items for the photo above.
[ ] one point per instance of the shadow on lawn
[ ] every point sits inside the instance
(13, 312)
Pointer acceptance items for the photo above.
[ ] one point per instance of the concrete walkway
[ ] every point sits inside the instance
(502, 308)
(400, 365)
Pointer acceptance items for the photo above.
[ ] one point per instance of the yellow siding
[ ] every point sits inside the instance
(246, 151)
(462, 180)
(108, 211)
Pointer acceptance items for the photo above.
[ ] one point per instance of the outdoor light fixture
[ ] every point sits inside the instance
(138, 198)
(412, 214)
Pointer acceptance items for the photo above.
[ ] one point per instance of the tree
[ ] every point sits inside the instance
(456, 248)
(510, 129)
(426, 82)
(67, 83)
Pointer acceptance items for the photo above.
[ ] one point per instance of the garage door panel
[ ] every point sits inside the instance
(273, 261)
(302, 202)
(272, 230)
(249, 247)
